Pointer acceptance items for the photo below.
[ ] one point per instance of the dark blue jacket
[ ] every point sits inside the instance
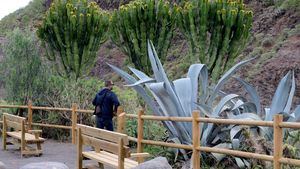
(110, 103)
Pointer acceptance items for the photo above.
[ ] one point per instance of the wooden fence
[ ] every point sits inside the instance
(278, 125)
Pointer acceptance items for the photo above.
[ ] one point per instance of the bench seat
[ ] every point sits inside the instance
(29, 138)
(109, 159)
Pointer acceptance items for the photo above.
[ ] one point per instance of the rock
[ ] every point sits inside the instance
(2, 166)
(186, 164)
(45, 165)
(156, 163)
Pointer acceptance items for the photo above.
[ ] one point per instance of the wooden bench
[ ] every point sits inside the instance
(111, 148)
(20, 136)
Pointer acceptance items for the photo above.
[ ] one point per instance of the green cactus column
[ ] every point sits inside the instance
(217, 31)
(133, 24)
(72, 31)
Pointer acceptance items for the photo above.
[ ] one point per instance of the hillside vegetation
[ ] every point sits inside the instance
(274, 41)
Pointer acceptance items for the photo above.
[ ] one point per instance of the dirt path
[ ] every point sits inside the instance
(52, 151)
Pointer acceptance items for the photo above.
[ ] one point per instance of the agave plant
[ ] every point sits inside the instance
(182, 96)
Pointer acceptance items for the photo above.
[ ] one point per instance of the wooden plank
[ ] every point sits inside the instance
(135, 155)
(291, 125)
(15, 118)
(103, 134)
(114, 156)
(236, 153)
(196, 141)
(51, 125)
(278, 138)
(236, 122)
(85, 111)
(51, 108)
(13, 124)
(161, 143)
(32, 152)
(13, 106)
(104, 145)
(164, 118)
(290, 161)
(29, 138)
(109, 159)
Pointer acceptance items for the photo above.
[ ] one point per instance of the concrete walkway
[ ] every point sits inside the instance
(52, 151)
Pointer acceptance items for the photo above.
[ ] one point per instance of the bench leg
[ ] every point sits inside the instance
(101, 166)
(4, 141)
(39, 147)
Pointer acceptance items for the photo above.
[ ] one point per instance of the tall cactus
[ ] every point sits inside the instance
(217, 31)
(73, 31)
(134, 23)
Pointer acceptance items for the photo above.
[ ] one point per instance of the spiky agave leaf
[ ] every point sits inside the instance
(224, 79)
(283, 96)
(165, 101)
(253, 95)
(198, 73)
(296, 115)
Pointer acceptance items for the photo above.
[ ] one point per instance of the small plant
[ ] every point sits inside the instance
(22, 71)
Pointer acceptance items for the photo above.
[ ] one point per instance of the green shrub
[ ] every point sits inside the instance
(22, 72)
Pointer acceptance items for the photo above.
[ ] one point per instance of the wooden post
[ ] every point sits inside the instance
(29, 115)
(278, 138)
(140, 135)
(74, 122)
(4, 133)
(121, 154)
(121, 123)
(23, 143)
(196, 141)
(79, 149)
(120, 110)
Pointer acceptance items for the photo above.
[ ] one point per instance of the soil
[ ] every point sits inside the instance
(265, 74)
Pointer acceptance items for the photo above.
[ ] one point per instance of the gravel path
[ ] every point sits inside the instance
(52, 151)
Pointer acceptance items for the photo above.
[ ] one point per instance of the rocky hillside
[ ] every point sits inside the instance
(275, 41)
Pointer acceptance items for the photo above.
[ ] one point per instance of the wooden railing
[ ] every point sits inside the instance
(74, 114)
(277, 125)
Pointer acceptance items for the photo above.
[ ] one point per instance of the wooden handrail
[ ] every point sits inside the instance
(236, 153)
(277, 125)
(52, 125)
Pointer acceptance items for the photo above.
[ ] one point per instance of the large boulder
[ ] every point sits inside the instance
(2, 166)
(156, 163)
(45, 165)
